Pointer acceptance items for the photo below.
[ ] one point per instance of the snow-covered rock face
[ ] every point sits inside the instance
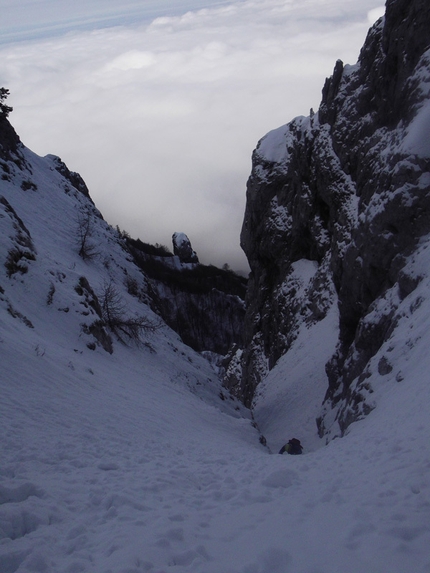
(183, 249)
(336, 205)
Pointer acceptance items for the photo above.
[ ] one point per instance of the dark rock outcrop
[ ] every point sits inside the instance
(74, 178)
(10, 149)
(12, 162)
(348, 191)
(9, 140)
(183, 249)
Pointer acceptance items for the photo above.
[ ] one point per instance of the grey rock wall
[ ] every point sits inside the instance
(348, 189)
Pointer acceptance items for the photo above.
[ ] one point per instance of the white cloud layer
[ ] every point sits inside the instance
(161, 118)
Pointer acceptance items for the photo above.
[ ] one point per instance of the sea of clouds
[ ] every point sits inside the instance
(160, 108)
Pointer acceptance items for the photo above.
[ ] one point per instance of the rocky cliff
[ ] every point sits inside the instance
(337, 204)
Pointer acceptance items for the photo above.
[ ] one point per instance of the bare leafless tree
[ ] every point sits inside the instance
(114, 316)
(85, 226)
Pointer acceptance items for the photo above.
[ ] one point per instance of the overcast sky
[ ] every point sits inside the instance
(159, 104)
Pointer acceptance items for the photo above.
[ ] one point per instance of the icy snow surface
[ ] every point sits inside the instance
(130, 462)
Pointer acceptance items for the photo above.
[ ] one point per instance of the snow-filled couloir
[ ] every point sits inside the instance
(120, 450)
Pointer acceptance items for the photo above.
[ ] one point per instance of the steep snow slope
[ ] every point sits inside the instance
(129, 461)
